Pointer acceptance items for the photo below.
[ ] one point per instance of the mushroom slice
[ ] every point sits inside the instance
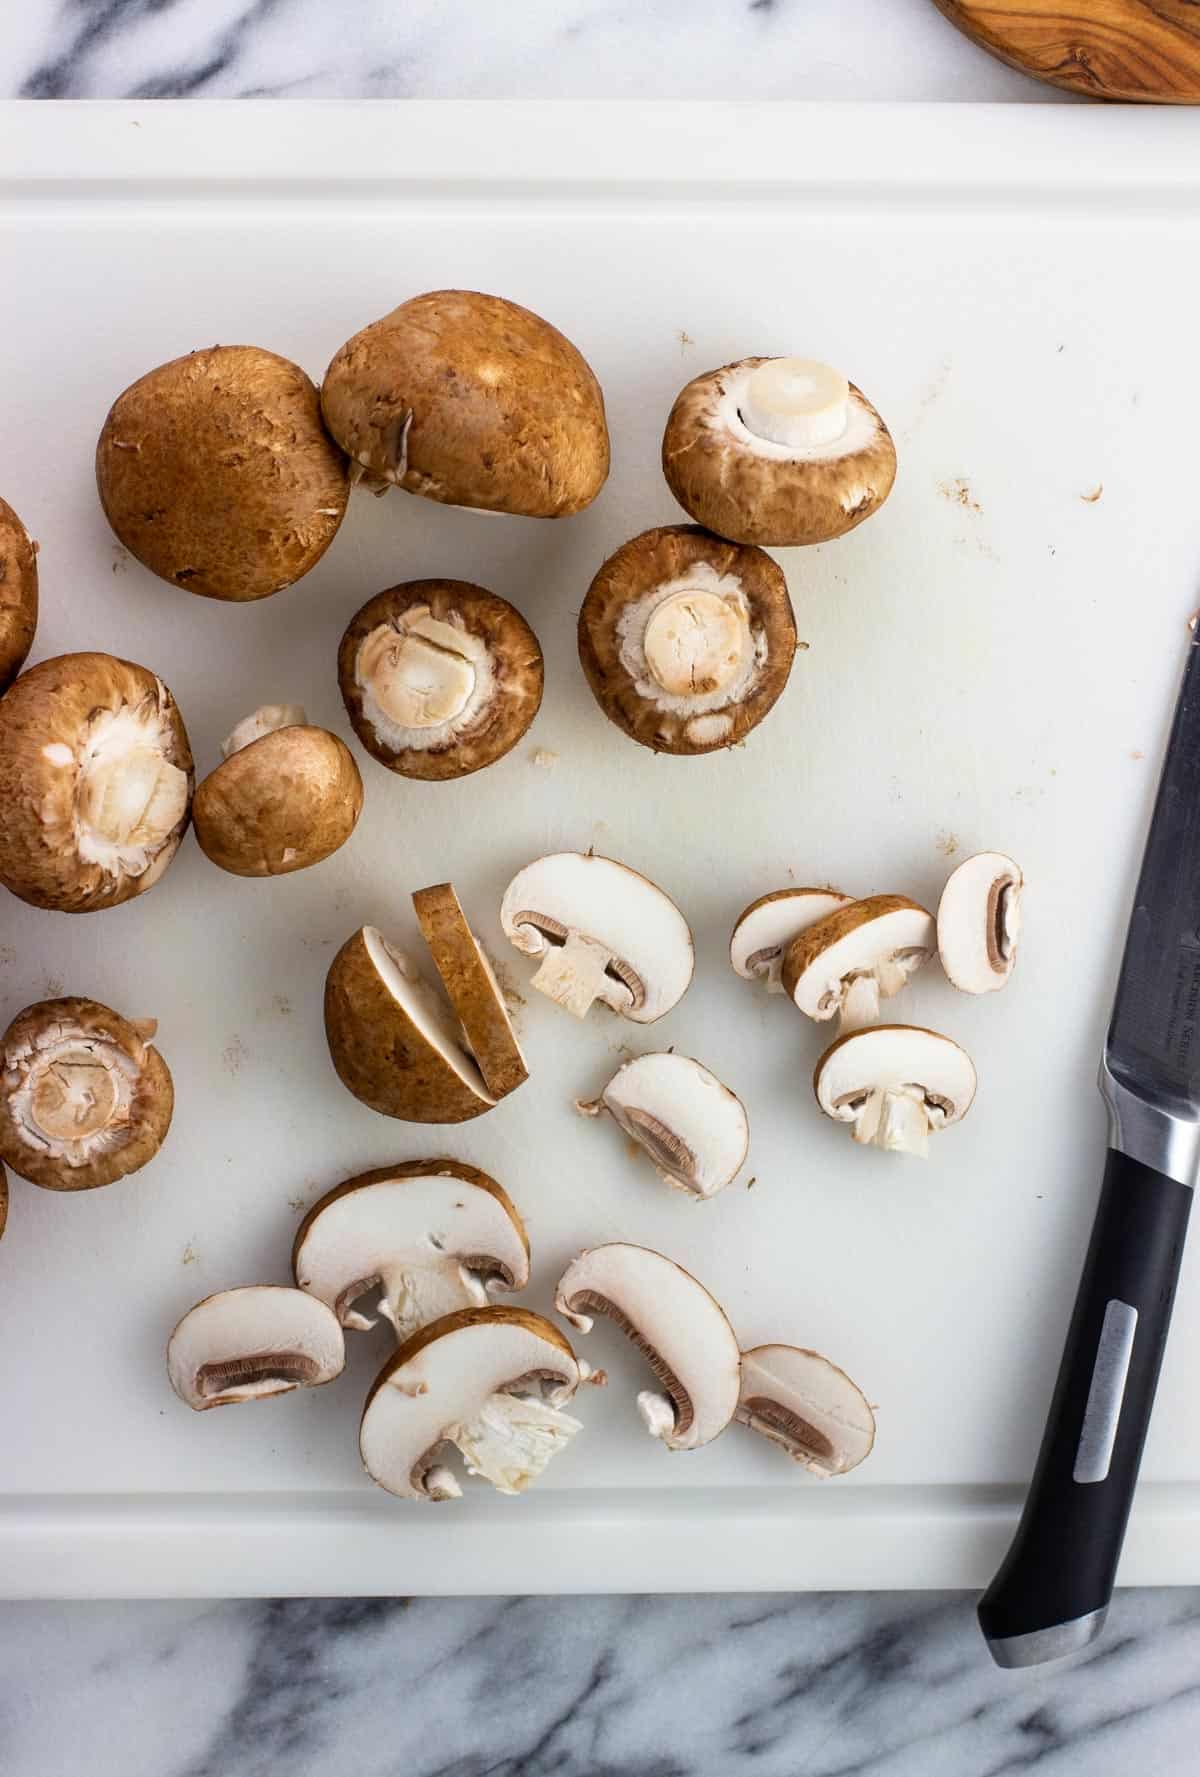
(470, 981)
(686, 640)
(776, 451)
(18, 594)
(439, 677)
(430, 1236)
(694, 1129)
(492, 1381)
(861, 953)
(676, 1325)
(765, 929)
(247, 1344)
(807, 1406)
(603, 932)
(895, 1084)
(979, 922)
(84, 1097)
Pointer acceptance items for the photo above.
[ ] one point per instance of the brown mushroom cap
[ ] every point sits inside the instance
(470, 982)
(18, 594)
(667, 564)
(215, 472)
(472, 401)
(280, 804)
(501, 666)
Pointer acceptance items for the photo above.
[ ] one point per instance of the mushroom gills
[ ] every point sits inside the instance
(254, 1377)
(895, 1084)
(664, 1415)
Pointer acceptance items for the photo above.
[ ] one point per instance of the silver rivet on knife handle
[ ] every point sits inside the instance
(1152, 1130)
(1102, 1415)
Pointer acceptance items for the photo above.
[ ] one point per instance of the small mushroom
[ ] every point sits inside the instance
(766, 928)
(18, 594)
(439, 677)
(806, 1405)
(248, 1344)
(694, 1129)
(677, 1326)
(861, 953)
(687, 640)
(472, 988)
(215, 472)
(979, 922)
(84, 1096)
(777, 451)
(471, 401)
(603, 932)
(492, 1381)
(430, 1236)
(285, 796)
(894, 1084)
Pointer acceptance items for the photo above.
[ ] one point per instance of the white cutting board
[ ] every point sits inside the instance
(991, 663)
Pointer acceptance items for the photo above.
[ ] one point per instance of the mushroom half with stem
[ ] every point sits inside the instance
(895, 1084)
(856, 956)
(18, 594)
(251, 1343)
(694, 1129)
(766, 928)
(807, 1406)
(979, 922)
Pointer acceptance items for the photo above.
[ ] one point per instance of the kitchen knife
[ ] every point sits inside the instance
(1053, 1588)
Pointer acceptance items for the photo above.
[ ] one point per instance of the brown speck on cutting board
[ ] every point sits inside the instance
(233, 1055)
(1137, 753)
(751, 1182)
(685, 340)
(929, 399)
(52, 988)
(190, 1255)
(283, 1005)
(8, 954)
(543, 757)
(297, 1203)
(958, 492)
(1090, 499)
(947, 843)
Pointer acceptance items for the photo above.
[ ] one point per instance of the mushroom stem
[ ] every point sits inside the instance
(512, 1438)
(573, 972)
(657, 1412)
(412, 1298)
(694, 642)
(795, 401)
(896, 1121)
(440, 1483)
(860, 1003)
(265, 720)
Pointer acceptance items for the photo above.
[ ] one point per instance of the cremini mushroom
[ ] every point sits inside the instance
(777, 451)
(18, 594)
(694, 1129)
(687, 640)
(857, 955)
(471, 401)
(493, 1382)
(95, 782)
(676, 1325)
(766, 928)
(85, 1098)
(806, 1405)
(979, 922)
(428, 1237)
(439, 677)
(894, 1084)
(215, 472)
(285, 796)
(602, 932)
(472, 988)
(248, 1344)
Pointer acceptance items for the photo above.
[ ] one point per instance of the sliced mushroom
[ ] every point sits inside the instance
(248, 1344)
(85, 1098)
(807, 1406)
(18, 594)
(895, 1084)
(861, 953)
(677, 1326)
(979, 922)
(777, 451)
(603, 932)
(766, 928)
(687, 640)
(470, 981)
(492, 1381)
(694, 1129)
(431, 1236)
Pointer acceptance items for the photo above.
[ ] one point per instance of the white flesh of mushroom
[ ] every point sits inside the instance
(423, 681)
(736, 412)
(806, 1405)
(796, 402)
(895, 1084)
(129, 797)
(688, 646)
(265, 720)
(766, 928)
(693, 1128)
(435, 1021)
(246, 1344)
(70, 1092)
(979, 922)
(870, 964)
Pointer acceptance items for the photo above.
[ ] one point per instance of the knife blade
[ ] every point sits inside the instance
(1052, 1591)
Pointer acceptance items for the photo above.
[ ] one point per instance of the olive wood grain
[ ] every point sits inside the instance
(1147, 50)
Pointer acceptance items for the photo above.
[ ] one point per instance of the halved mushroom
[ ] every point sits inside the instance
(694, 1129)
(492, 1381)
(979, 922)
(861, 953)
(18, 594)
(806, 1405)
(603, 932)
(687, 640)
(677, 1326)
(431, 1236)
(471, 401)
(766, 928)
(248, 1344)
(95, 782)
(894, 1084)
(777, 451)
(439, 677)
(470, 982)
(84, 1096)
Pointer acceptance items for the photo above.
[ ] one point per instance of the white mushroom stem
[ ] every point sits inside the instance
(694, 643)
(421, 678)
(440, 1483)
(797, 402)
(70, 1093)
(130, 796)
(512, 1438)
(574, 973)
(413, 1296)
(896, 1120)
(265, 720)
(657, 1414)
(860, 1003)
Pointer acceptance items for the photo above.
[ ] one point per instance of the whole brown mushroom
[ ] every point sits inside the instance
(18, 594)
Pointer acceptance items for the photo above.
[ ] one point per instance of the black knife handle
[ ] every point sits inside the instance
(1057, 1578)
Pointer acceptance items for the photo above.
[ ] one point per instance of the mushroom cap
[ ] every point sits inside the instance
(751, 490)
(18, 594)
(394, 1043)
(84, 1097)
(807, 1406)
(854, 939)
(765, 929)
(496, 653)
(694, 1129)
(280, 803)
(95, 782)
(743, 663)
(506, 414)
(472, 988)
(890, 1057)
(677, 1326)
(215, 471)
(251, 1343)
(978, 922)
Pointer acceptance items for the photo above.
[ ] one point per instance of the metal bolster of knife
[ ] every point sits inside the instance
(1160, 1133)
